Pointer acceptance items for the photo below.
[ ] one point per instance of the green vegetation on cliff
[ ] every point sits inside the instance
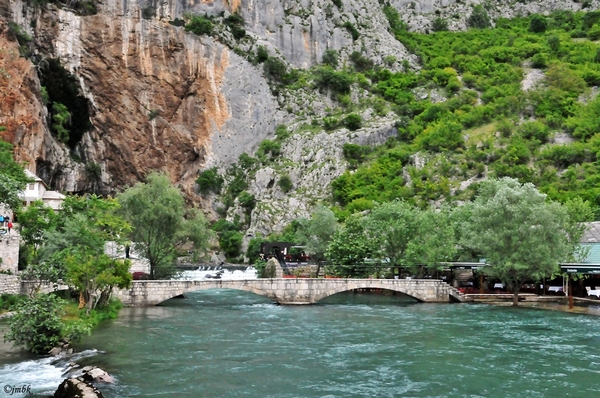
(498, 119)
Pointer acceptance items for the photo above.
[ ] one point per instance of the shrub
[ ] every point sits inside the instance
(479, 18)
(36, 324)
(538, 23)
(285, 183)
(274, 69)
(539, 60)
(268, 150)
(331, 123)
(393, 17)
(261, 54)
(594, 32)
(353, 121)
(199, 25)
(439, 25)
(361, 63)
(235, 22)
(247, 201)
(338, 82)
(209, 180)
(330, 57)
(61, 117)
(554, 43)
(281, 132)
(534, 130)
(355, 154)
(338, 3)
(351, 29)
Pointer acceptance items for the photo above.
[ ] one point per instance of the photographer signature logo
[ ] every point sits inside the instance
(24, 389)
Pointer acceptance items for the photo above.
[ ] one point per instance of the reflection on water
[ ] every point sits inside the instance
(223, 343)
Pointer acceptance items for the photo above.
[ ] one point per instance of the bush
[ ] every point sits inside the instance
(199, 25)
(538, 23)
(268, 150)
(361, 63)
(439, 25)
(479, 18)
(247, 201)
(285, 183)
(281, 132)
(36, 324)
(261, 54)
(274, 69)
(353, 121)
(330, 57)
(539, 60)
(338, 82)
(331, 123)
(235, 22)
(594, 32)
(351, 29)
(210, 180)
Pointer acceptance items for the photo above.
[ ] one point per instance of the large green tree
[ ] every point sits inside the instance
(316, 233)
(521, 234)
(157, 213)
(350, 248)
(75, 248)
(420, 240)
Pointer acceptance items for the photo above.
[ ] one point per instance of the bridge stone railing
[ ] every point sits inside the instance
(288, 290)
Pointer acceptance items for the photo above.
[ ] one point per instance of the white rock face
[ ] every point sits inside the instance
(312, 162)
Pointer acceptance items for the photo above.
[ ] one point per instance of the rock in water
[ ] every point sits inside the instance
(96, 374)
(76, 388)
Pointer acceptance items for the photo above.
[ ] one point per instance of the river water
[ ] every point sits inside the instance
(225, 343)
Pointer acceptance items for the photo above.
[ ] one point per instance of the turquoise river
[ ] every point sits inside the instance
(224, 343)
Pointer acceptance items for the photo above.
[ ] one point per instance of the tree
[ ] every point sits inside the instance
(36, 324)
(412, 237)
(156, 211)
(316, 233)
(350, 247)
(76, 249)
(34, 222)
(521, 235)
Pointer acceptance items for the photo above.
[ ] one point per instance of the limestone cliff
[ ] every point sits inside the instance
(161, 98)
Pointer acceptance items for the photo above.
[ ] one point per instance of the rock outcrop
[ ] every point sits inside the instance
(76, 388)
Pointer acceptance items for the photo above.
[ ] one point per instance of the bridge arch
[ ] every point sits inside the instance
(342, 289)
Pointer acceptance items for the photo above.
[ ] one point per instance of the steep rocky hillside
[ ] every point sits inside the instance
(187, 86)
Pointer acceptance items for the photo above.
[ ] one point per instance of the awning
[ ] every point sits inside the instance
(580, 268)
(466, 265)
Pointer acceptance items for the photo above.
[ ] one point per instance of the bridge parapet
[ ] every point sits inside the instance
(288, 290)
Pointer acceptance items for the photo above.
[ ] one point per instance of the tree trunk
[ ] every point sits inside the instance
(516, 288)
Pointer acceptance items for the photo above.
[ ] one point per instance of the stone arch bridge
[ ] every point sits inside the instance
(289, 290)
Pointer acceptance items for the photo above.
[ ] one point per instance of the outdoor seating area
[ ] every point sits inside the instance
(592, 292)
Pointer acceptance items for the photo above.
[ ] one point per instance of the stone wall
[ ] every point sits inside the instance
(9, 284)
(9, 252)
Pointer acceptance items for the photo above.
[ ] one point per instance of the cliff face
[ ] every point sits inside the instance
(164, 99)
(24, 115)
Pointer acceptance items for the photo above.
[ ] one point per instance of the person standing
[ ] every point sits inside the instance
(9, 226)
